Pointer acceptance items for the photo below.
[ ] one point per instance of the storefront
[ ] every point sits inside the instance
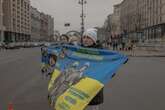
(16, 37)
(1, 36)
(155, 32)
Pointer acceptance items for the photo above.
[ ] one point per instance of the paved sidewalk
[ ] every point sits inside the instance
(144, 53)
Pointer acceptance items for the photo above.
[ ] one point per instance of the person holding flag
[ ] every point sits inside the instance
(89, 40)
(78, 79)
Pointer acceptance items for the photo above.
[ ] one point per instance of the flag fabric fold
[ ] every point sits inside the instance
(79, 74)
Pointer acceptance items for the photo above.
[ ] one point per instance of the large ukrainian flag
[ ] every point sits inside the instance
(102, 65)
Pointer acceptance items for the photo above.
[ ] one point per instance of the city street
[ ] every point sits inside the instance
(138, 85)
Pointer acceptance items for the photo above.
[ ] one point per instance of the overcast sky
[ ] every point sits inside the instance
(68, 11)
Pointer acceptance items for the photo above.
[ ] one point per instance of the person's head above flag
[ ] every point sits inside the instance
(64, 38)
(89, 37)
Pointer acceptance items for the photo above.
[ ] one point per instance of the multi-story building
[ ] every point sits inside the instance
(50, 27)
(112, 23)
(1, 22)
(114, 20)
(143, 16)
(151, 22)
(163, 17)
(107, 24)
(163, 11)
(17, 20)
(47, 27)
(44, 26)
(128, 16)
(35, 24)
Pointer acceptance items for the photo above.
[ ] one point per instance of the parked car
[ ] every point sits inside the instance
(12, 46)
(47, 44)
(1, 46)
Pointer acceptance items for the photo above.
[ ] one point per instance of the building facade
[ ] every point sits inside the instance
(152, 23)
(1, 22)
(107, 24)
(128, 15)
(163, 16)
(163, 10)
(47, 27)
(144, 18)
(50, 27)
(35, 24)
(115, 20)
(44, 26)
(17, 20)
(112, 23)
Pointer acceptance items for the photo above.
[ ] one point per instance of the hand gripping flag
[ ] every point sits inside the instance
(79, 74)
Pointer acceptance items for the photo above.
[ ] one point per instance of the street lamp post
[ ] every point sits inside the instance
(82, 3)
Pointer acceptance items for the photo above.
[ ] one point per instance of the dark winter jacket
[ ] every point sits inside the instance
(99, 98)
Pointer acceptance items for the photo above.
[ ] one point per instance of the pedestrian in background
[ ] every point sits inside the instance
(75, 40)
(64, 39)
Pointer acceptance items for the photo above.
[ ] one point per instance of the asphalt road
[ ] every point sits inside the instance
(139, 85)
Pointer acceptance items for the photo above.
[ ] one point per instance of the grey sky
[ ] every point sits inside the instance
(69, 11)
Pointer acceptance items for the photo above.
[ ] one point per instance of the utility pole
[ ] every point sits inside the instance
(82, 3)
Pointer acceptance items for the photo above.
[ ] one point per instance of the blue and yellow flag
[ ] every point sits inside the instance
(79, 74)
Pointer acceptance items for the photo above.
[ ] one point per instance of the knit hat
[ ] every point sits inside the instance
(92, 33)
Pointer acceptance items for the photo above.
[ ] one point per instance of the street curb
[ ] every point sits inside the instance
(146, 55)
(134, 54)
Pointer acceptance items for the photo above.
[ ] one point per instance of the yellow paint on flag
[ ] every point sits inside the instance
(78, 96)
